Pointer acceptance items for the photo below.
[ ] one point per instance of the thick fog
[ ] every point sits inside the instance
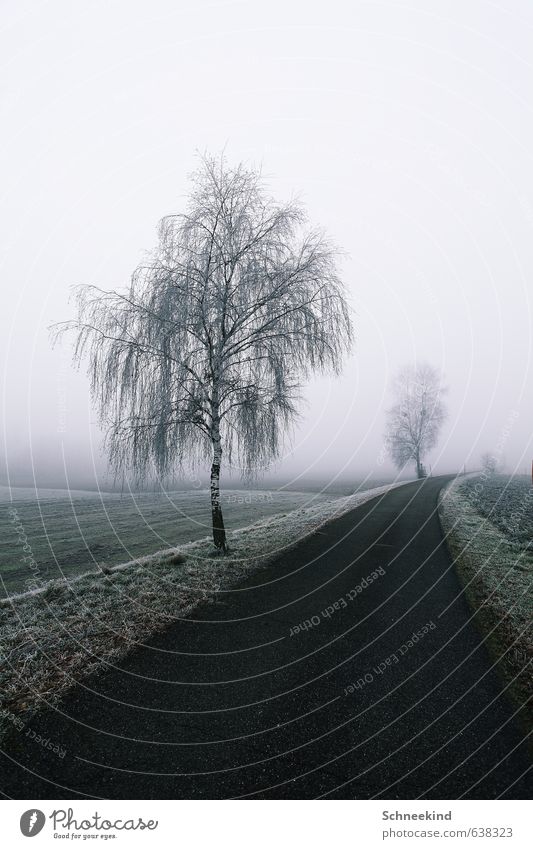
(405, 129)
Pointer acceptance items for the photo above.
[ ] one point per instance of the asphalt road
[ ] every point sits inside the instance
(238, 703)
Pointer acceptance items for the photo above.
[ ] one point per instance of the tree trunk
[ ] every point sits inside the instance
(219, 532)
(418, 466)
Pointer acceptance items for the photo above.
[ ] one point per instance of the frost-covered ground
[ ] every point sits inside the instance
(489, 529)
(67, 533)
(67, 629)
(506, 502)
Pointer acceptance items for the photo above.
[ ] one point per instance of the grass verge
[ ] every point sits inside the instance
(496, 573)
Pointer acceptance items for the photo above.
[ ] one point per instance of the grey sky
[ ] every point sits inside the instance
(405, 128)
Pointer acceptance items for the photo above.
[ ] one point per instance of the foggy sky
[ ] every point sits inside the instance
(405, 129)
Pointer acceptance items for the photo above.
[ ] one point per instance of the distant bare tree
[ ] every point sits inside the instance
(205, 353)
(490, 464)
(413, 423)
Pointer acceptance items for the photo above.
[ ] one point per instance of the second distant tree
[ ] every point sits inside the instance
(415, 419)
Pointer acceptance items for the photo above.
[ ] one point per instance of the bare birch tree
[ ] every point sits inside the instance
(203, 356)
(414, 421)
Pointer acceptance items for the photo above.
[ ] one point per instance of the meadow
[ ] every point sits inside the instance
(507, 503)
(62, 534)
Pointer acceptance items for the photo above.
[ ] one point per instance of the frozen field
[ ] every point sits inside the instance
(70, 534)
(506, 502)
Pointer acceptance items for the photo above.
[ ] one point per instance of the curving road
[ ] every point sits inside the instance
(247, 701)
